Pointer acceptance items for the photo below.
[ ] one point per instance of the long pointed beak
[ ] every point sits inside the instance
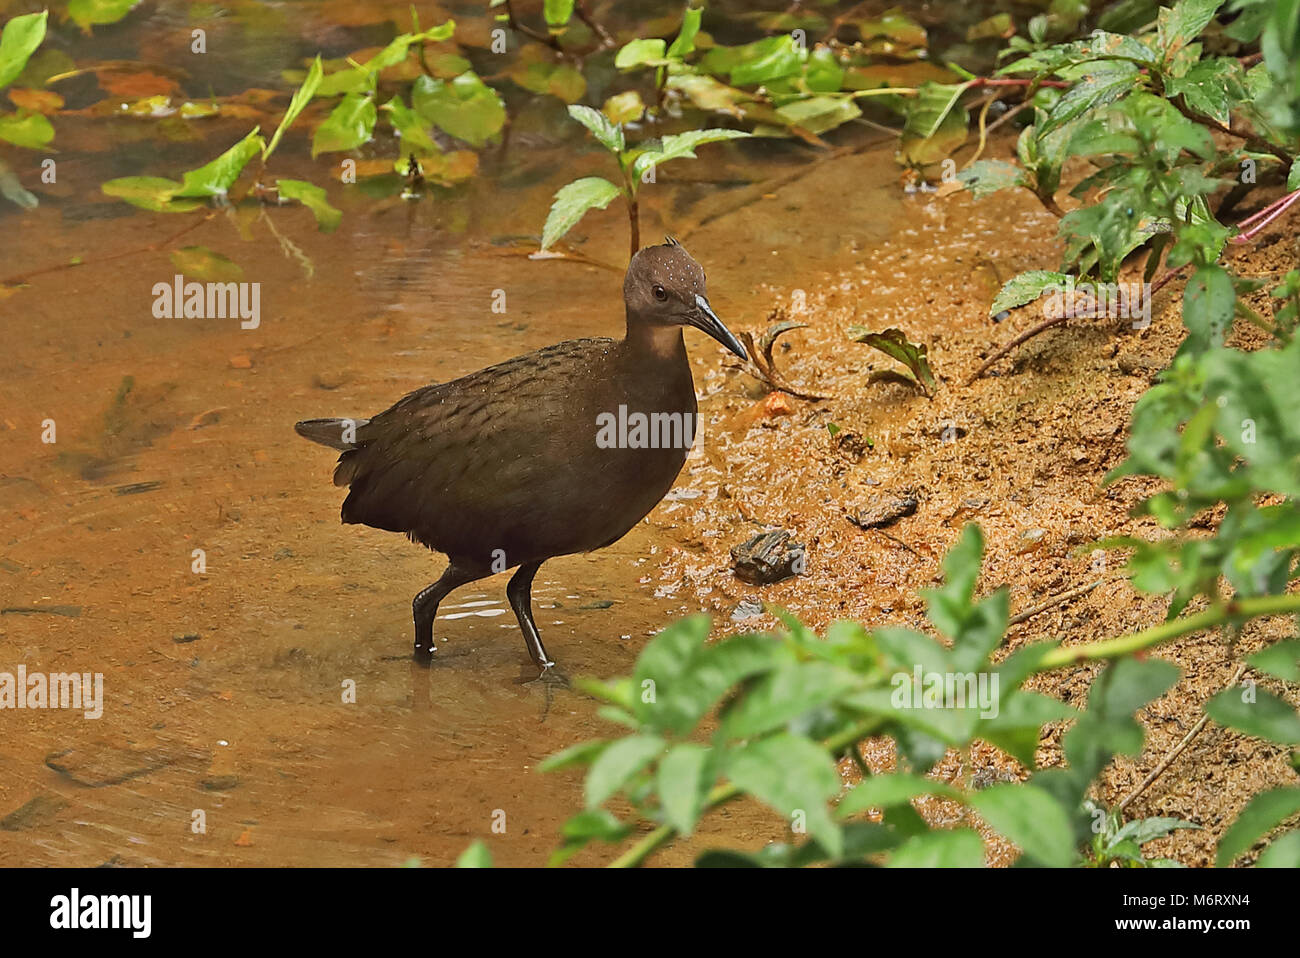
(706, 320)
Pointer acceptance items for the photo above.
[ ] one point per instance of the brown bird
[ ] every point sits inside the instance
(555, 452)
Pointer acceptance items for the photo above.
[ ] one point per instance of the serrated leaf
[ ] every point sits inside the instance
(681, 146)
(894, 343)
(572, 201)
(1025, 288)
(606, 132)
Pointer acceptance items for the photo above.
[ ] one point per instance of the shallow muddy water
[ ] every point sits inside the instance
(224, 688)
(227, 688)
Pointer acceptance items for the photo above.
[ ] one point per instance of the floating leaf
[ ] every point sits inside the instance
(150, 193)
(894, 343)
(623, 108)
(315, 199)
(411, 127)
(465, 107)
(88, 13)
(350, 123)
(572, 201)
(201, 263)
(32, 130)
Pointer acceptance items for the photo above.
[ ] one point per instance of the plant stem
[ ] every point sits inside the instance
(1220, 613)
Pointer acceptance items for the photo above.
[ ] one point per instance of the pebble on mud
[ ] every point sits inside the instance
(767, 557)
(880, 511)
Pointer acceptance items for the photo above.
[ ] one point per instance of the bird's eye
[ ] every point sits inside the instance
(660, 293)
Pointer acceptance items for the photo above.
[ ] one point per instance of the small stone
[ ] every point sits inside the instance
(187, 637)
(766, 558)
(747, 608)
(880, 511)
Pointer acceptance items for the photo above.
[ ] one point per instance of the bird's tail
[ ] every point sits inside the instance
(340, 434)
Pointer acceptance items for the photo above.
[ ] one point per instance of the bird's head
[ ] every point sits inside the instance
(665, 287)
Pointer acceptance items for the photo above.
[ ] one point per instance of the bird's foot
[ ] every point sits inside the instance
(550, 678)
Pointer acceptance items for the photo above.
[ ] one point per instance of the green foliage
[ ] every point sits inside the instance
(769, 715)
(1115, 843)
(635, 164)
(894, 343)
(21, 36)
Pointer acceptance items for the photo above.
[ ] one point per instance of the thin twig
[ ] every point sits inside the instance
(1177, 749)
(1023, 337)
(1053, 601)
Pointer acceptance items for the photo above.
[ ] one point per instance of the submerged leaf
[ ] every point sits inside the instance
(203, 264)
(315, 199)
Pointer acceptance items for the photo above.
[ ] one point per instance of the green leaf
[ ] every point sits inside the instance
(1183, 23)
(609, 135)
(149, 193)
(315, 199)
(584, 753)
(350, 123)
(783, 695)
(1144, 830)
(681, 785)
(894, 343)
(1025, 288)
(955, 848)
(1281, 659)
(1110, 81)
(476, 856)
(818, 114)
(301, 97)
(1283, 852)
(88, 13)
(793, 776)
(885, 791)
(572, 201)
(681, 701)
(1265, 812)
(21, 36)
(215, 178)
(684, 44)
(1030, 817)
(30, 130)
(205, 265)
(410, 127)
(558, 13)
(1267, 717)
(1209, 302)
(465, 107)
(988, 176)
(640, 53)
(617, 763)
(680, 146)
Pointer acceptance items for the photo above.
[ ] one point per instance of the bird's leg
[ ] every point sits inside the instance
(425, 606)
(520, 594)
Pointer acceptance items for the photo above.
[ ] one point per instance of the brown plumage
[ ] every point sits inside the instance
(512, 465)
